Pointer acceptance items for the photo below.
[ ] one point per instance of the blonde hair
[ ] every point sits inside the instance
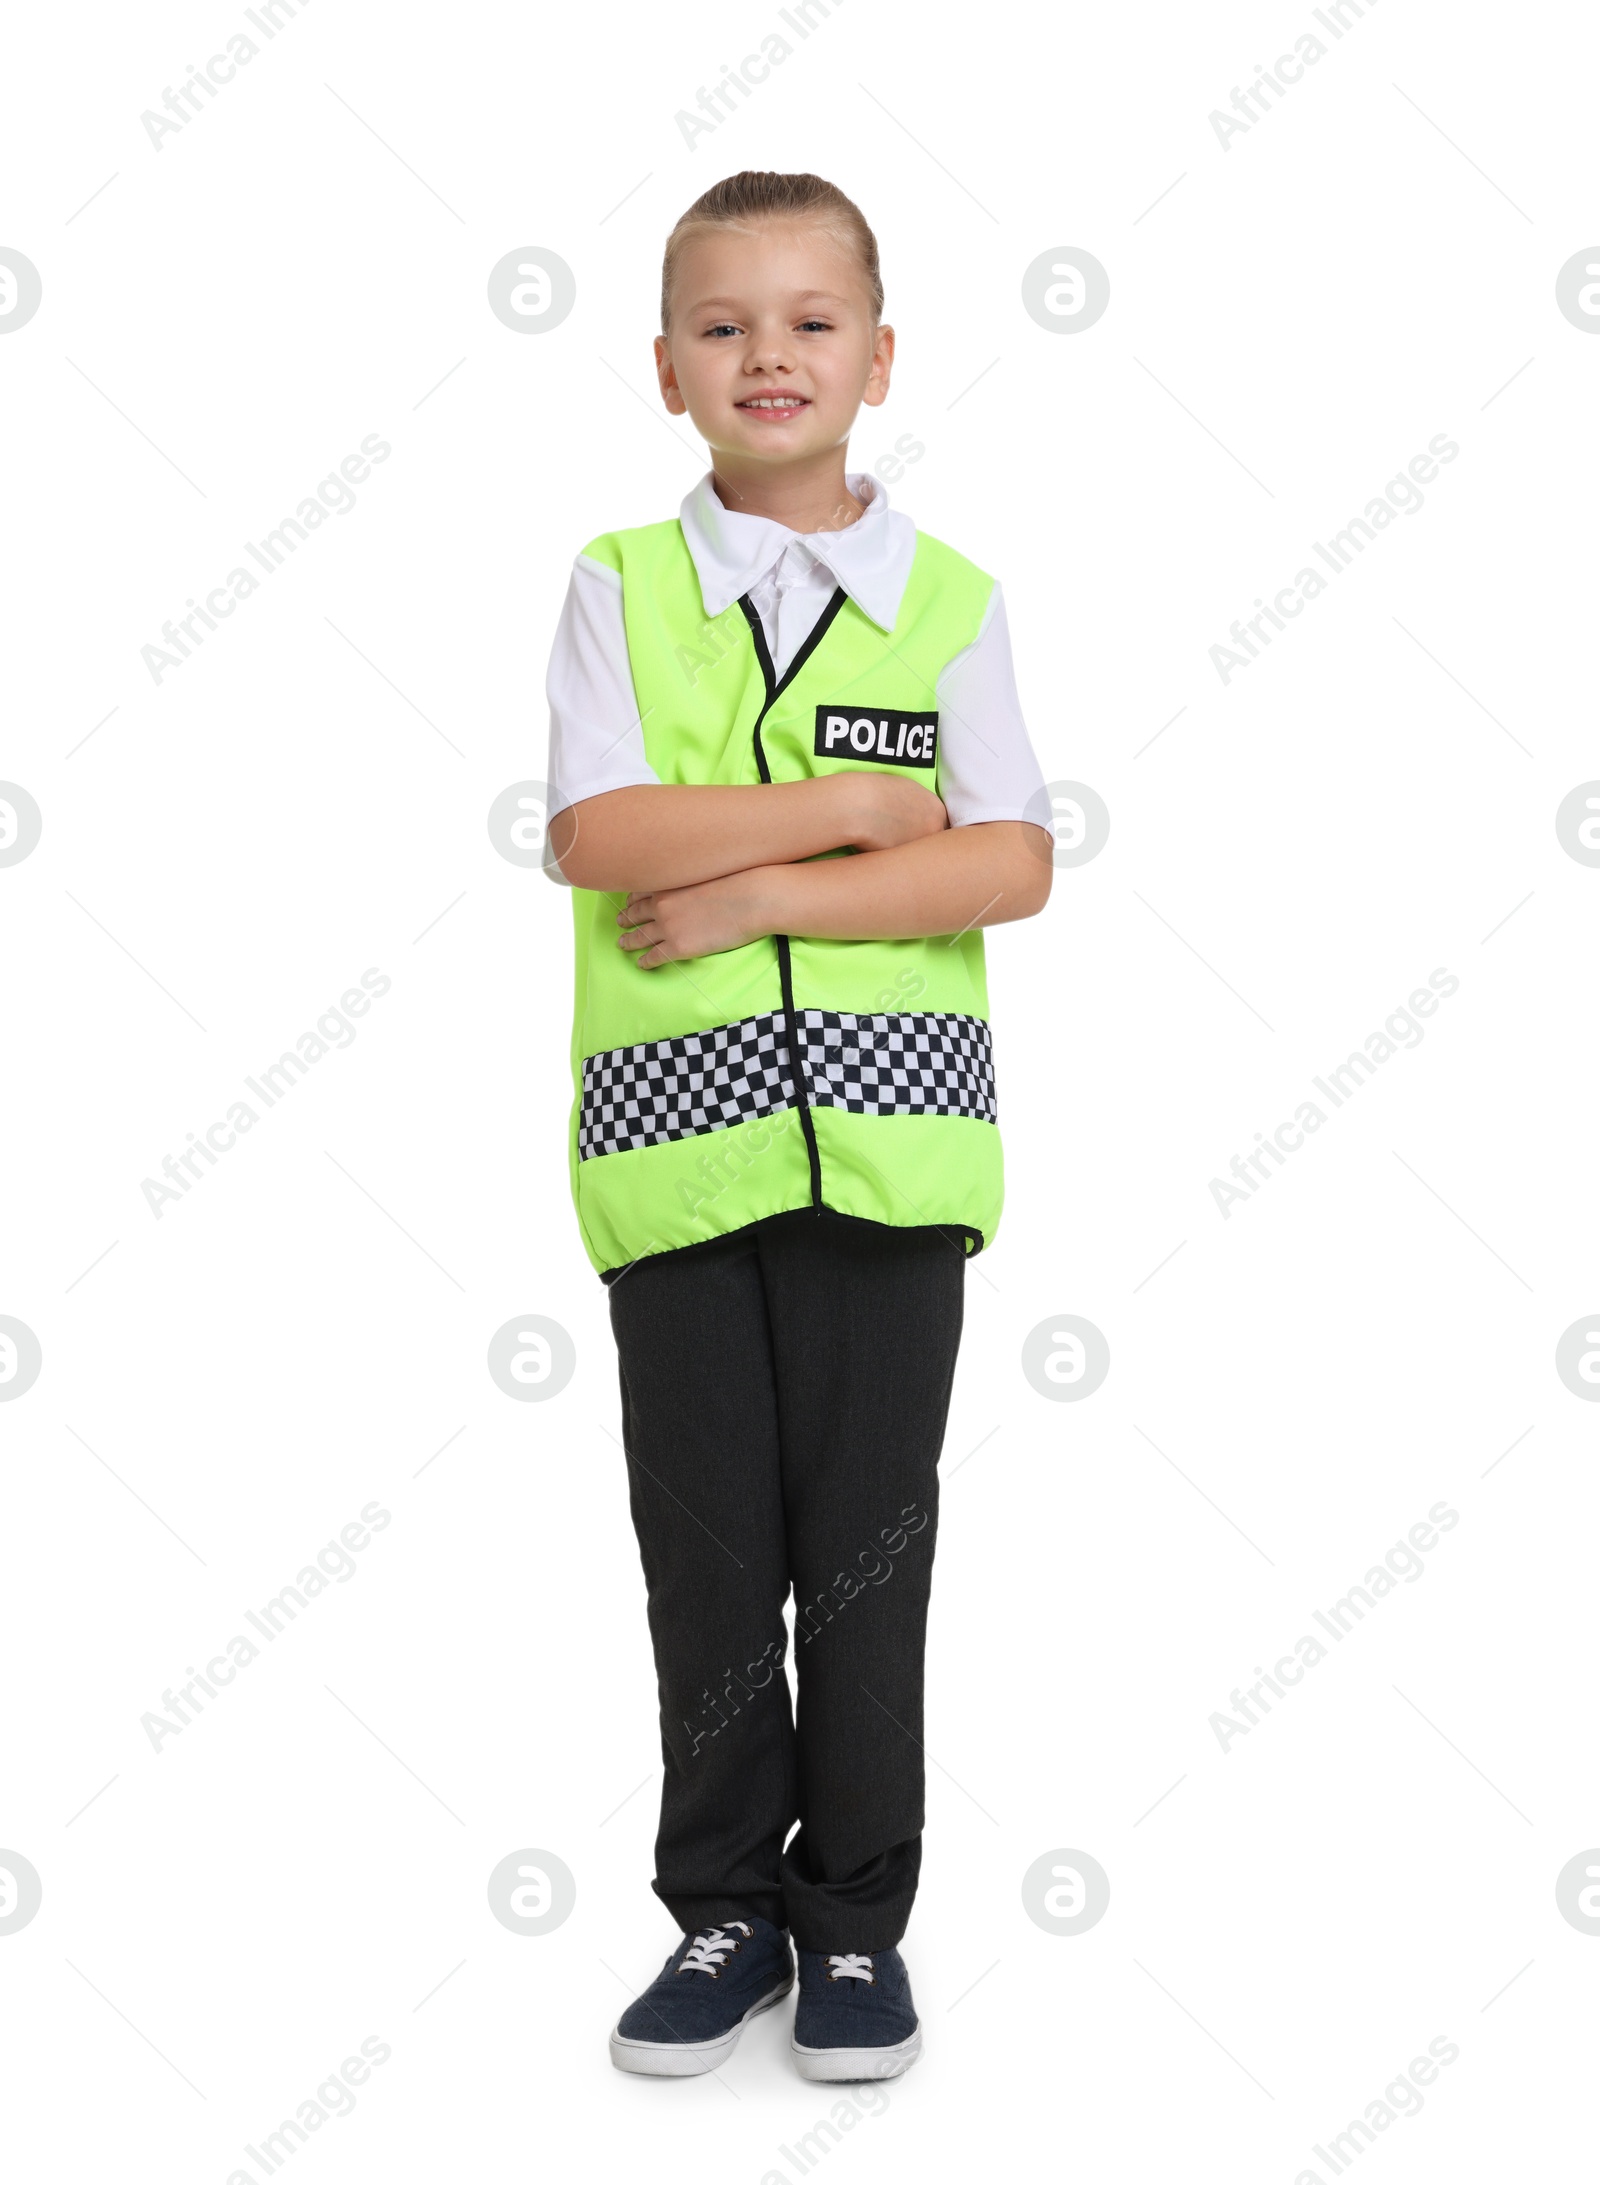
(741, 199)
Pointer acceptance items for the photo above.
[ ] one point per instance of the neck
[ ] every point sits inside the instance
(806, 496)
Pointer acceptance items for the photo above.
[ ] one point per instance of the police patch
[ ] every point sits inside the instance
(879, 736)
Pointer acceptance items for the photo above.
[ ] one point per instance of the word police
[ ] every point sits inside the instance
(895, 739)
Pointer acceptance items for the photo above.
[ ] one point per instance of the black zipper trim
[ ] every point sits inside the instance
(776, 685)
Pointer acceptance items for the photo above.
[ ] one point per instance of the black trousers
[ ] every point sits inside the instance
(784, 1393)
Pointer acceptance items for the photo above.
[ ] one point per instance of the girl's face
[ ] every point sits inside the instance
(777, 313)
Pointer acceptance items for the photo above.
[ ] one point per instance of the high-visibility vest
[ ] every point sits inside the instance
(853, 1075)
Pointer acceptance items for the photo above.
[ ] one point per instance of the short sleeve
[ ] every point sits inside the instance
(596, 741)
(987, 768)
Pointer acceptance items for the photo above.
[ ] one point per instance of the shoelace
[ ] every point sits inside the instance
(850, 1968)
(706, 1952)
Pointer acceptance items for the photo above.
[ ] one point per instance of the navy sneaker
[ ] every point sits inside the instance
(690, 2017)
(855, 2018)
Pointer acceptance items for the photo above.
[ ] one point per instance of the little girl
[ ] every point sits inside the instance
(790, 784)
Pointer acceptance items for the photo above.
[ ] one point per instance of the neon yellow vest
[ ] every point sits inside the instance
(689, 1119)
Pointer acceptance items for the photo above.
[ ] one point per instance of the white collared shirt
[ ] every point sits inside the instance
(987, 769)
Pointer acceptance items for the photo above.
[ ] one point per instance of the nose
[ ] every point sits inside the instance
(769, 351)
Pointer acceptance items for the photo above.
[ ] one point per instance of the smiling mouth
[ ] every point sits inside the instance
(773, 405)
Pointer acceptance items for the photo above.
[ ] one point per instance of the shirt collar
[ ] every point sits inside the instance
(871, 558)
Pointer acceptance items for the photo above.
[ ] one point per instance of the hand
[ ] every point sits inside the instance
(891, 809)
(703, 920)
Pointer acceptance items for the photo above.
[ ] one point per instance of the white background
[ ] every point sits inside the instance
(1371, 264)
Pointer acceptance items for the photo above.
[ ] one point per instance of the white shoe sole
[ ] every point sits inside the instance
(858, 2063)
(683, 2059)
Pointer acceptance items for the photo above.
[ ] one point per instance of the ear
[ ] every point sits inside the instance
(877, 386)
(668, 378)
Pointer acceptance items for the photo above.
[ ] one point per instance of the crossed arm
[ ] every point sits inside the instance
(708, 869)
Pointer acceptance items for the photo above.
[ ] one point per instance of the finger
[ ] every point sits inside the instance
(640, 936)
(636, 910)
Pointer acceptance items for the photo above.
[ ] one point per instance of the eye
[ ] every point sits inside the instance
(821, 324)
(726, 327)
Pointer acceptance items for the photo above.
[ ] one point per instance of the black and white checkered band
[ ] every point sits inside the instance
(679, 1088)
